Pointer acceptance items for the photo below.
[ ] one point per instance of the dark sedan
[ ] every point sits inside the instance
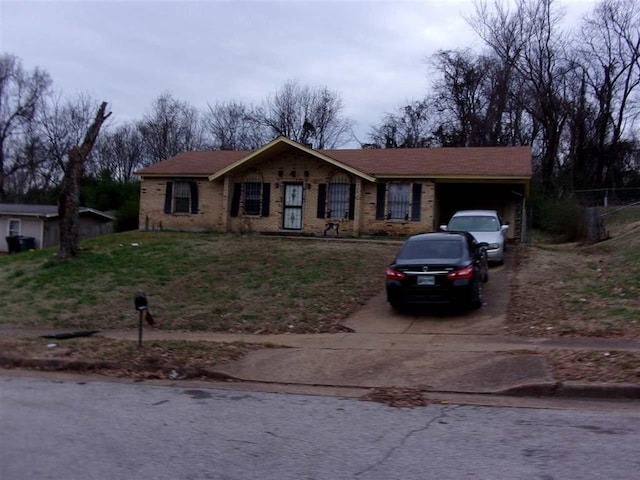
(438, 268)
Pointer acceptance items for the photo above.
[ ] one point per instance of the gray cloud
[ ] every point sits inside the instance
(128, 52)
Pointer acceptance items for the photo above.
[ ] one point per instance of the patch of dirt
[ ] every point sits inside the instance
(598, 367)
(399, 397)
(121, 358)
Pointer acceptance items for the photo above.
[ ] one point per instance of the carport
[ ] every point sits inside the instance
(507, 197)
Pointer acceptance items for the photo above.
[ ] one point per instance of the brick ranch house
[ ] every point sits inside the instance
(288, 188)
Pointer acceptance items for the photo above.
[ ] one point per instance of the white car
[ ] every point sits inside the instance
(486, 226)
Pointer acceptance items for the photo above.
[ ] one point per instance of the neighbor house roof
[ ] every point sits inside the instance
(461, 162)
(45, 211)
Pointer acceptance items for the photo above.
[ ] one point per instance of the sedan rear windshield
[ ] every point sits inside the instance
(431, 249)
(474, 224)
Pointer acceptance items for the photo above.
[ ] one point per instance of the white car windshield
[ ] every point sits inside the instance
(474, 224)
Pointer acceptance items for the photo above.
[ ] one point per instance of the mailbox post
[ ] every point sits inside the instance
(140, 301)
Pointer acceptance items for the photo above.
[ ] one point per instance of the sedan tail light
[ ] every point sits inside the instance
(466, 272)
(392, 274)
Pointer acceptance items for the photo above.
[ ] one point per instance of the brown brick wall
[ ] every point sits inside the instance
(371, 226)
(296, 167)
(152, 216)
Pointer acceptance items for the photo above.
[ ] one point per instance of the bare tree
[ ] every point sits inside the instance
(478, 100)
(461, 97)
(530, 40)
(120, 152)
(610, 56)
(410, 127)
(326, 125)
(63, 123)
(21, 94)
(306, 115)
(68, 205)
(234, 126)
(172, 127)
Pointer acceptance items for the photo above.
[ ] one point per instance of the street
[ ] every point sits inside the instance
(53, 429)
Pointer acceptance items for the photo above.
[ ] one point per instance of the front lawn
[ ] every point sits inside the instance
(198, 282)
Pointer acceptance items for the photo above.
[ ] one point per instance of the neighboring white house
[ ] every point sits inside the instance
(40, 222)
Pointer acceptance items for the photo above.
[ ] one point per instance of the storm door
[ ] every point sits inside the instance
(292, 219)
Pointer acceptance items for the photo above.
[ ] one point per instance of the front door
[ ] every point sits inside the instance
(292, 214)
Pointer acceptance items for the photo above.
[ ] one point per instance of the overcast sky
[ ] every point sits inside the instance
(373, 53)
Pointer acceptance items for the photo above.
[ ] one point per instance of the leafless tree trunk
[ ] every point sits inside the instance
(69, 202)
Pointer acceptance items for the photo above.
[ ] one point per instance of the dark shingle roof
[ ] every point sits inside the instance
(195, 163)
(407, 162)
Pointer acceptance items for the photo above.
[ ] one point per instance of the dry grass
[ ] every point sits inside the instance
(595, 366)
(574, 290)
(197, 282)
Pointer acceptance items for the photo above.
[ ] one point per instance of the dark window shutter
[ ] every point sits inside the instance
(266, 198)
(416, 200)
(322, 200)
(352, 200)
(194, 196)
(380, 197)
(235, 199)
(168, 197)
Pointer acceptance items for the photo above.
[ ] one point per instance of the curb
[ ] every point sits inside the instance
(608, 391)
(58, 365)
(628, 391)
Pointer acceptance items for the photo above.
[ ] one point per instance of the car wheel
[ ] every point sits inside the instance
(396, 305)
(476, 299)
(485, 270)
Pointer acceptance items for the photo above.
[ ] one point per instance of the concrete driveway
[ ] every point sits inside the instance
(377, 316)
(433, 348)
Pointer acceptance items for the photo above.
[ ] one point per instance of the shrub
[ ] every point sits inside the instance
(562, 218)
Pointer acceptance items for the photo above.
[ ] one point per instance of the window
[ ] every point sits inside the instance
(252, 192)
(181, 197)
(399, 202)
(251, 197)
(338, 197)
(14, 227)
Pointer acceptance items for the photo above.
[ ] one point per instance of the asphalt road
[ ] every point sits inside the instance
(62, 429)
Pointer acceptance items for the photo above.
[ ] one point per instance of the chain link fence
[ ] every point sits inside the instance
(608, 197)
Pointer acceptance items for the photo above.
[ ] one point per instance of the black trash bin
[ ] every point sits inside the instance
(19, 243)
(13, 244)
(27, 243)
